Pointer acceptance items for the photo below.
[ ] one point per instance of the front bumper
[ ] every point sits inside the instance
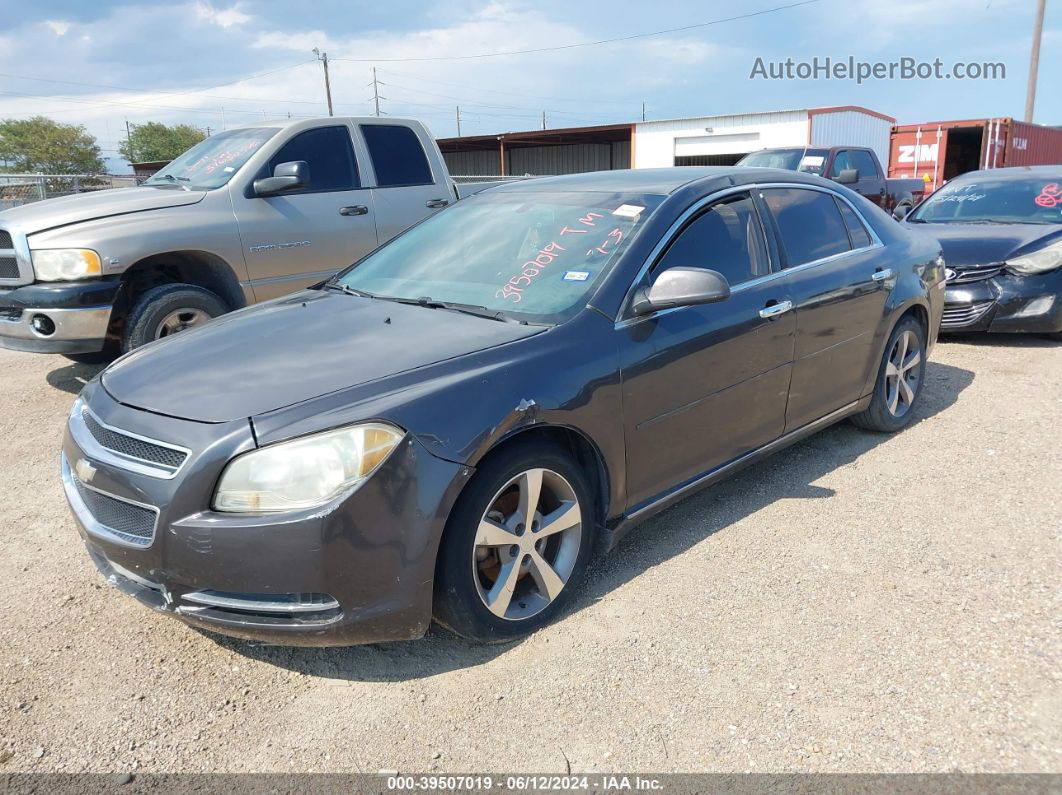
(1005, 303)
(358, 570)
(57, 318)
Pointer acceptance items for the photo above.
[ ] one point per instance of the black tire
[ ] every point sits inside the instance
(878, 416)
(154, 305)
(458, 605)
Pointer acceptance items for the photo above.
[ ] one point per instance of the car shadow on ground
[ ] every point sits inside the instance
(790, 473)
(72, 377)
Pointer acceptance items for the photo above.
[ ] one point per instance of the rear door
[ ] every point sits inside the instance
(405, 188)
(299, 237)
(704, 384)
(839, 293)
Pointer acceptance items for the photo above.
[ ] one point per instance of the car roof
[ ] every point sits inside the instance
(1014, 172)
(660, 181)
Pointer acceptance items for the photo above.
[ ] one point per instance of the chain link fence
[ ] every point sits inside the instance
(16, 189)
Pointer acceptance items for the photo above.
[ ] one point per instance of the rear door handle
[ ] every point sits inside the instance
(354, 209)
(774, 310)
(435, 204)
(882, 275)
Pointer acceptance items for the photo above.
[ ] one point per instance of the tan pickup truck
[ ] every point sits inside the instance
(246, 215)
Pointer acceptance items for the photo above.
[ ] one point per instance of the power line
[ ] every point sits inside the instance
(584, 43)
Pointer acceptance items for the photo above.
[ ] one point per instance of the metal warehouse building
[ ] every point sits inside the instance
(702, 140)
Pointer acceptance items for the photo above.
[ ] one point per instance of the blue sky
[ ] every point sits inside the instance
(101, 63)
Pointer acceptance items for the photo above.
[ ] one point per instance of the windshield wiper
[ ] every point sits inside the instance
(175, 180)
(466, 309)
(340, 287)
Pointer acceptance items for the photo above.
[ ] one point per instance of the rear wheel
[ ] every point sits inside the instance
(169, 309)
(516, 544)
(899, 382)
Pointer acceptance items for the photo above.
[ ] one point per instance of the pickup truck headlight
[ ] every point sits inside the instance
(306, 472)
(1046, 259)
(65, 264)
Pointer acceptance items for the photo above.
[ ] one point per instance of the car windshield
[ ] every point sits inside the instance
(810, 161)
(533, 257)
(1003, 201)
(212, 162)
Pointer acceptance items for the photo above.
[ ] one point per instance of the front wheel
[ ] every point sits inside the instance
(167, 310)
(516, 544)
(899, 382)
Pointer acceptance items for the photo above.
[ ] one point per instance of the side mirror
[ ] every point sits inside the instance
(286, 176)
(900, 211)
(848, 176)
(681, 286)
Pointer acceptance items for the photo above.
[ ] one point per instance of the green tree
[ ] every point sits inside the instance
(155, 141)
(42, 145)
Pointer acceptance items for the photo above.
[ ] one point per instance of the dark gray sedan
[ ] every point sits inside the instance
(451, 426)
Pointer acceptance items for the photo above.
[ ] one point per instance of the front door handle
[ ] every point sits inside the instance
(354, 209)
(435, 204)
(774, 310)
(882, 275)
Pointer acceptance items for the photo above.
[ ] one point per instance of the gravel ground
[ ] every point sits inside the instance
(856, 603)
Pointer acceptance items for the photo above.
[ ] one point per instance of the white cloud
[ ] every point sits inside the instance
(58, 27)
(223, 18)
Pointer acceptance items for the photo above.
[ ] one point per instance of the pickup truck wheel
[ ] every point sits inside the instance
(169, 309)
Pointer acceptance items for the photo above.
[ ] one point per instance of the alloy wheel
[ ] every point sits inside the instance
(179, 320)
(527, 544)
(903, 373)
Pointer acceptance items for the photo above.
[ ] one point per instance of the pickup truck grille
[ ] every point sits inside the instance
(8, 267)
(5, 239)
(11, 270)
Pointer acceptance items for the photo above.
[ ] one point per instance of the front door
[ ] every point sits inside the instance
(703, 385)
(839, 292)
(300, 237)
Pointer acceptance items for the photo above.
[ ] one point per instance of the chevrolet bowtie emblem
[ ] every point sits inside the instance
(84, 470)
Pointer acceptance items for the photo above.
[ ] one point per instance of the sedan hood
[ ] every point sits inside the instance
(51, 213)
(985, 244)
(293, 349)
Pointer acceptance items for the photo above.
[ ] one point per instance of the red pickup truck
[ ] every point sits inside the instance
(854, 166)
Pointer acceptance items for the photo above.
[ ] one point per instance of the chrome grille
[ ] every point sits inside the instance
(131, 523)
(975, 274)
(964, 315)
(132, 446)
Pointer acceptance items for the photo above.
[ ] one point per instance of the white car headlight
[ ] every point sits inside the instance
(306, 472)
(65, 264)
(1046, 259)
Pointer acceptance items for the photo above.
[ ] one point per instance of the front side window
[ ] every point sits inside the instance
(726, 238)
(841, 162)
(397, 156)
(533, 256)
(993, 200)
(862, 160)
(809, 223)
(329, 154)
(213, 161)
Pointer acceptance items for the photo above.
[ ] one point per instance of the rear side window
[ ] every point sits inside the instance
(857, 233)
(809, 223)
(397, 156)
(330, 155)
(726, 238)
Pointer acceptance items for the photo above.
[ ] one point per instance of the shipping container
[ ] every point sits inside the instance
(938, 151)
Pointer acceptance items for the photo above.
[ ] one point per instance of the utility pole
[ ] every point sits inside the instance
(643, 111)
(543, 120)
(458, 121)
(323, 58)
(128, 139)
(376, 91)
(1034, 61)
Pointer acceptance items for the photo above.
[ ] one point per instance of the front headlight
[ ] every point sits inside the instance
(304, 473)
(65, 264)
(1046, 259)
